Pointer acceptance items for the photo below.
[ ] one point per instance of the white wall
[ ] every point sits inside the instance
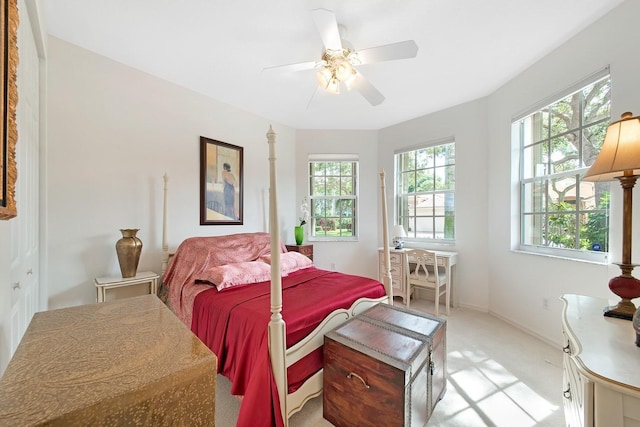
(490, 274)
(519, 282)
(359, 257)
(113, 132)
(466, 123)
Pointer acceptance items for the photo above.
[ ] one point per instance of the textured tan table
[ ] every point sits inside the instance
(125, 362)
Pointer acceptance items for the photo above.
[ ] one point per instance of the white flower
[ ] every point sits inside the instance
(304, 208)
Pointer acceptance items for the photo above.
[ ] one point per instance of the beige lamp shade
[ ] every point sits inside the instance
(619, 159)
(398, 236)
(620, 151)
(398, 231)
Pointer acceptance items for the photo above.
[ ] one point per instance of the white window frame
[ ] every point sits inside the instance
(418, 241)
(351, 158)
(518, 142)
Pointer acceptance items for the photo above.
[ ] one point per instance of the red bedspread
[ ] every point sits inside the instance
(233, 324)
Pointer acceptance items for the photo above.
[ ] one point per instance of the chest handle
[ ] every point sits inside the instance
(353, 374)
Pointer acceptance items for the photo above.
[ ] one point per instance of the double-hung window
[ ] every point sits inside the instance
(559, 213)
(333, 194)
(425, 192)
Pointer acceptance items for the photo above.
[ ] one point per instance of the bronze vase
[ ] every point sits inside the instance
(128, 249)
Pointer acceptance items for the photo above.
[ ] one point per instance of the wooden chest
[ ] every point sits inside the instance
(384, 367)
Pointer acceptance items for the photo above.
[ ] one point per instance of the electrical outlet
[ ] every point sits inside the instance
(333, 266)
(545, 303)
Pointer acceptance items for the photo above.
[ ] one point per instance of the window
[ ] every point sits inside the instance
(559, 213)
(425, 184)
(333, 193)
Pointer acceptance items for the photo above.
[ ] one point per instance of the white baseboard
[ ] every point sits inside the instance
(527, 330)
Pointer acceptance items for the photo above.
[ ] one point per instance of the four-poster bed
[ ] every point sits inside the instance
(267, 327)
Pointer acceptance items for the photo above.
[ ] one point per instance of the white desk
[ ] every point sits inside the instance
(445, 259)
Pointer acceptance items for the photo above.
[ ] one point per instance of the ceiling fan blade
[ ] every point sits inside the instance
(328, 27)
(388, 52)
(300, 66)
(315, 91)
(367, 90)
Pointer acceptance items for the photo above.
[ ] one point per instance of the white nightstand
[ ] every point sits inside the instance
(105, 283)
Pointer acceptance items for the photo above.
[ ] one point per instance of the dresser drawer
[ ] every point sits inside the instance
(396, 275)
(395, 258)
(393, 269)
(397, 282)
(439, 260)
(396, 269)
(306, 250)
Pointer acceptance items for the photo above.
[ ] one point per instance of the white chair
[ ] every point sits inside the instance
(426, 274)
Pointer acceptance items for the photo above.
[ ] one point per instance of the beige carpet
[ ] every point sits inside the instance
(497, 376)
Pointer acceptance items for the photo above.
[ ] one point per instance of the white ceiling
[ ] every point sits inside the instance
(467, 49)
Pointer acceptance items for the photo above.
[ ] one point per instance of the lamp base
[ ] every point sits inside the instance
(626, 287)
(623, 310)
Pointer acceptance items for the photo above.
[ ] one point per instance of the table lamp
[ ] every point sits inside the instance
(398, 236)
(619, 159)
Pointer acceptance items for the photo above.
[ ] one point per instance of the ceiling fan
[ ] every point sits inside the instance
(336, 66)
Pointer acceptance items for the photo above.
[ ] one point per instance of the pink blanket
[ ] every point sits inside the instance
(197, 254)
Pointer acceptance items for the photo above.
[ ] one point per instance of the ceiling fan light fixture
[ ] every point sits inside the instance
(335, 67)
(343, 70)
(324, 76)
(353, 58)
(338, 62)
(333, 86)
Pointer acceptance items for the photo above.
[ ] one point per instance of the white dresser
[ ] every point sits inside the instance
(601, 366)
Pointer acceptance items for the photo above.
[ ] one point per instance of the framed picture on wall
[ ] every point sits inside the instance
(9, 98)
(220, 183)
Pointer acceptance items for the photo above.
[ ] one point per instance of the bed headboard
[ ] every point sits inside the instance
(166, 256)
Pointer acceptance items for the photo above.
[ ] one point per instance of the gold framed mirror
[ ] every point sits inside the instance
(9, 92)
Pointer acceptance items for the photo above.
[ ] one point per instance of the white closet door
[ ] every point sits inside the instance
(25, 275)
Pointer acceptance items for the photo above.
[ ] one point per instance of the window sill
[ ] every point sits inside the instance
(601, 259)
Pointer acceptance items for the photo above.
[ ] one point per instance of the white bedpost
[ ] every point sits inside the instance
(386, 278)
(277, 327)
(165, 245)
